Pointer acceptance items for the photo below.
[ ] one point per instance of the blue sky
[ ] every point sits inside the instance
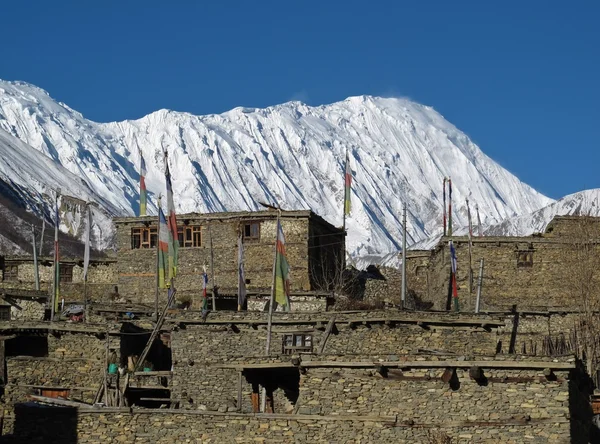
(519, 77)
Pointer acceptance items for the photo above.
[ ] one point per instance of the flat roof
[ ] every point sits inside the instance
(218, 216)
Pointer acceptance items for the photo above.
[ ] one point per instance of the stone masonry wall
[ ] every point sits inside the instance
(102, 277)
(137, 278)
(173, 426)
(74, 361)
(545, 283)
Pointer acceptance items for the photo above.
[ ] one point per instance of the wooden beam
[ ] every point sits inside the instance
(154, 373)
(326, 334)
(58, 401)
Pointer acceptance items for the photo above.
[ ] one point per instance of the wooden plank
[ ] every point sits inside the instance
(517, 365)
(154, 373)
(326, 334)
(239, 392)
(417, 321)
(524, 365)
(58, 401)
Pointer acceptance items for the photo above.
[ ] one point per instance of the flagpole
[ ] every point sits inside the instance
(35, 259)
(86, 259)
(403, 257)
(470, 248)
(56, 258)
(449, 206)
(212, 269)
(344, 211)
(157, 259)
(272, 301)
(444, 204)
(43, 229)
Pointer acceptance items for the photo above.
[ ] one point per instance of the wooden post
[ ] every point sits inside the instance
(403, 305)
(56, 264)
(212, 269)
(272, 300)
(479, 285)
(35, 259)
(239, 394)
(470, 249)
(326, 334)
(156, 291)
(106, 395)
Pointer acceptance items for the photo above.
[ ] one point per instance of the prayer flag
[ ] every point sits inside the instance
(282, 270)
(172, 225)
(163, 249)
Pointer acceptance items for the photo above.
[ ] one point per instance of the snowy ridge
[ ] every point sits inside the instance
(35, 178)
(583, 203)
(290, 154)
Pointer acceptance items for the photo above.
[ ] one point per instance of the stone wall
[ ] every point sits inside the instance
(536, 272)
(136, 267)
(28, 310)
(171, 426)
(102, 278)
(74, 361)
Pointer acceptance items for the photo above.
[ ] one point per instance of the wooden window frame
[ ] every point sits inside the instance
(10, 273)
(65, 273)
(190, 236)
(247, 232)
(143, 238)
(4, 310)
(525, 259)
(300, 342)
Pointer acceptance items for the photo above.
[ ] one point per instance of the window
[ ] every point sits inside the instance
(65, 273)
(144, 237)
(252, 231)
(296, 342)
(4, 312)
(524, 259)
(11, 273)
(190, 236)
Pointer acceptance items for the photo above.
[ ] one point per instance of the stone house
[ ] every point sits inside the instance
(378, 375)
(210, 241)
(535, 272)
(18, 273)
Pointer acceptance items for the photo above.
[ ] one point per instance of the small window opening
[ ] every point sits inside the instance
(252, 231)
(525, 259)
(4, 312)
(11, 273)
(65, 273)
(296, 343)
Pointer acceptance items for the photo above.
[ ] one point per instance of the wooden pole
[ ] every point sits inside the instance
(35, 259)
(479, 285)
(272, 300)
(212, 269)
(86, 260)
(470, 248)
(54, 299)
(43, 229)
(106, 395)
(156, 291)
(404, 257)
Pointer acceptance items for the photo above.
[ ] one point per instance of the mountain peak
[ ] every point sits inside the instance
(292, 154)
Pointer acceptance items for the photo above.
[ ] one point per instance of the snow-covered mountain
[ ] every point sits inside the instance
(583, 203)
(290, 154)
